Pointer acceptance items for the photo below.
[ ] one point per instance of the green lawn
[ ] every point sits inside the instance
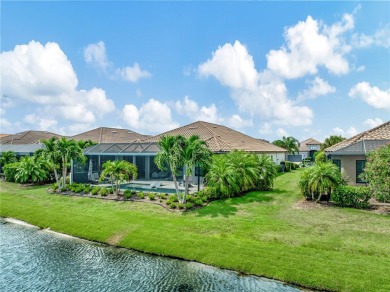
(262, 233)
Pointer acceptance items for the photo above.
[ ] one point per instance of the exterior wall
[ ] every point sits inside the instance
(277, 157)
(348, 166)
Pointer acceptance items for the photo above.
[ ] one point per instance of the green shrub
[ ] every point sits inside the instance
(320, 157)
(180, 205)
(190, 198)
(152, 196)
(198, 202)
(174, 198)
(172, 205)
(54, 187)
(141, 195)
(127, 194)
(104, 192)
(204, 198)
(351, 196)
(10, 171)
(162, 196)
(87, 188)
(189, 205)
(95, 191)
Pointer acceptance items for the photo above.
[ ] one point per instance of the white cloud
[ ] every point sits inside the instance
(132, 74)
(235, 121)
(372, 123)
(351, 131)
(191, 109)
(310, 44)
(95, 54)
(40, 123)
(372, 95)
(281, 132)
(266, 129)
(317, 87)
(5, 126)
(255, 93)
(153, 117)
(380, 38)
(360, 69)
(43, 75)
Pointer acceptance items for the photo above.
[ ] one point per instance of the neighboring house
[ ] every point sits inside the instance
(109, 135)
(27, 137)
(307, 149)
(350, 155)
(220, 139)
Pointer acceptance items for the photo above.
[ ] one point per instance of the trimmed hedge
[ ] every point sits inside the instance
(351, 196)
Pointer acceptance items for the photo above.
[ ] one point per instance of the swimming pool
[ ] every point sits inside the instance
(147, 188)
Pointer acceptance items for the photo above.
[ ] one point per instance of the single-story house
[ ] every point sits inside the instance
(27, 137)
(109, 135)
(350, 155)
(220, 139)
(306, 149)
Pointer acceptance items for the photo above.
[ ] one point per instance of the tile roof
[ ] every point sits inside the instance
(381, 133)
(109, 135)
(27, 137)
(221, 139)
(21, 149)
(310, 141)
(3, 135)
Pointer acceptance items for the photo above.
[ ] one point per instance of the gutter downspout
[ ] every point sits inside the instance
(364, 148)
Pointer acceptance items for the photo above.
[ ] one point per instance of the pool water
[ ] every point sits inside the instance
(146, 188)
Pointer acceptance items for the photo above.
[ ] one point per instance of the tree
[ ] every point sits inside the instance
(319, 180)
(320, 157)
(331, 140)
(52, 156)
(118, 171)
(246, 169)
(267, 172)
(377, 173)
(86, 143)
(195, 151)
(289, 143)
(171, 155)
(8, 157)
(68, 150)
(31, 169)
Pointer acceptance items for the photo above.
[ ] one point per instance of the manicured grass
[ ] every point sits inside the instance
(262, 233)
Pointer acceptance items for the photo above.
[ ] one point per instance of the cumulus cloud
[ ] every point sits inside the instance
(372, 123)
(281, 133)
(351, 131)
(191, 109)
(153, 117)
(255, 93)
(42, 74)
(132, 74)
(317, 87)
(235, 121)
(309, 45)
(41, 123)
(372, 95)
(95, 54)
(380, 38)
(266, 129)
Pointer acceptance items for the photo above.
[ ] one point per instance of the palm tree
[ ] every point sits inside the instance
(51, 155)
(31, 169)
(245, 167)
(289, 143)
(8, 157)
(118, 171)
(320, 179)
(68, 150)
(267, 172)
(86, 143)
(331, 140)
(194, 151)
(222, 177)
(171, 154)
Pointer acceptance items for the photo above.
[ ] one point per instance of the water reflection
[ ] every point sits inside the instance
(37, 260)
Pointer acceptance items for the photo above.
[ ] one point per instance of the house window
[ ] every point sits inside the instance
(337, 162)
(360, 164)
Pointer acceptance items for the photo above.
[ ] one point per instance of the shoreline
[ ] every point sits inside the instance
(64, 235)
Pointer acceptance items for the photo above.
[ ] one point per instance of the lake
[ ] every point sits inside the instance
(34, 259)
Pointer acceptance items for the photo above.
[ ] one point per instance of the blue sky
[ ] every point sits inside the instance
(268, 69)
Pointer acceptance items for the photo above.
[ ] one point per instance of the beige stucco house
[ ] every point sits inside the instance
(350, 155)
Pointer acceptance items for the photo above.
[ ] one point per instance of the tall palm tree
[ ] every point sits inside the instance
(195, 151)
(68, 150)
(289, 143)
(51, 154)
(331, 140)
(118, 171)
(86, 143)
(246, 169)
(171, 154)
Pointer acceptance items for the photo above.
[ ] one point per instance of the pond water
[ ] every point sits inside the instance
(33, 259)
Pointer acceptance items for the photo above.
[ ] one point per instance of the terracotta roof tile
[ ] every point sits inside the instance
(27, 137)
(310, 141)
(109, 135)
(221, 139)
(382, 132)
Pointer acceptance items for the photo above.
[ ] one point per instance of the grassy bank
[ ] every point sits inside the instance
(262, 233)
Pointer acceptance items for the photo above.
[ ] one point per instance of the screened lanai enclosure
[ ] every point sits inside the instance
(140, 154)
